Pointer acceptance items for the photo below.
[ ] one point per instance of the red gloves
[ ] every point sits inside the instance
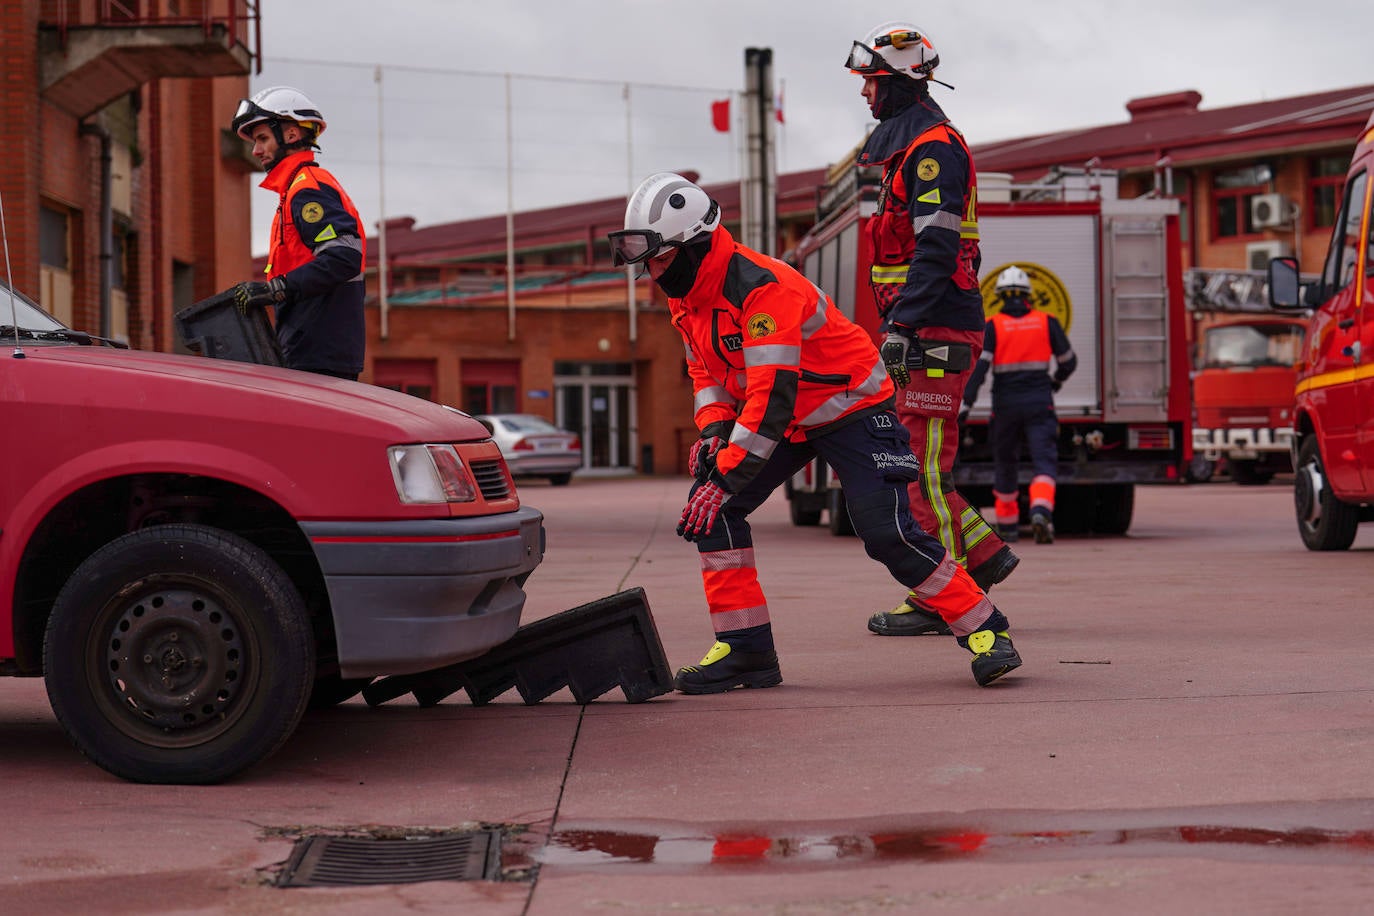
(702, 508)
(701, 457)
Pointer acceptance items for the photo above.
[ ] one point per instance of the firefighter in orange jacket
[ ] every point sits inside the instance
(1019, 344)
(925, 284)
(781, 377)
(315, 263)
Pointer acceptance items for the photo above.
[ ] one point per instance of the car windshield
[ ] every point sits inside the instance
(1245, 345)
(17, 311)
(524, 423)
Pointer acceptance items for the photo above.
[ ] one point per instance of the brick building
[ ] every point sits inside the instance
(124, 200)
(1254, 181)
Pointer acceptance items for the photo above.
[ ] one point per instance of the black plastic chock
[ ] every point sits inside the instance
(610, 642)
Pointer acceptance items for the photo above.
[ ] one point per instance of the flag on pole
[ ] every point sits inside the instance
(777, 109)
(720, 115)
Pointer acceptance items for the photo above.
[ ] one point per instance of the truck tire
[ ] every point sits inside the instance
(1324, 522)
(841, 525)
(1075, 509)
(1250, 473)
(1115, 506)
(803, 508)
(178, 654)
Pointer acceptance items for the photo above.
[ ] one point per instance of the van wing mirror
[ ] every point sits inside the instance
(1285, 289)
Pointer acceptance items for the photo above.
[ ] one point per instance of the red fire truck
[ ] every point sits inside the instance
(1243, 376)
(1109, 270)
(1333, 423)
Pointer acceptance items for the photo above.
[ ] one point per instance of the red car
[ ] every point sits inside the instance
(192, 548)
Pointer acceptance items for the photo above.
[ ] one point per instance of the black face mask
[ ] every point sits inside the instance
(896, 94)
(677, 280)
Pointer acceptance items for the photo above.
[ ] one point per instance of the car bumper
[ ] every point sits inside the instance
(417, 595)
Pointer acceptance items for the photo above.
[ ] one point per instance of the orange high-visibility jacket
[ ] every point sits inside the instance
(769, 351)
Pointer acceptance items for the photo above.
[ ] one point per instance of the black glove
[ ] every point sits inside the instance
(259, 295)
(893, 352)
(1056, 384)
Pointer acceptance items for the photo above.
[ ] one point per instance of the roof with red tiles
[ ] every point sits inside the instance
(1176, 126)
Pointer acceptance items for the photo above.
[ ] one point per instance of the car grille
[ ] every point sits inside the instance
(491, 480)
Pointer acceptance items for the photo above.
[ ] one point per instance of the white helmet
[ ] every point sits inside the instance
(894, 48)
(1013, 278)
(666, 209)
(279, 103)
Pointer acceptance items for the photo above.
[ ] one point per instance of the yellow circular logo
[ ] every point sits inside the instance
(312, 212)
(761, 326)
(927, 170)
(1047, 292)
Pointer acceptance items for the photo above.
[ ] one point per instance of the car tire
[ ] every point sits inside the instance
(1250, 474)
(560, 480)
(178, 654)
(1324, 522)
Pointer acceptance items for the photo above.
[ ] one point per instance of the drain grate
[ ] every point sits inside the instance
(339, 860)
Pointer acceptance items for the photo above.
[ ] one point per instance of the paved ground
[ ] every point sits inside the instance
(1192, 732)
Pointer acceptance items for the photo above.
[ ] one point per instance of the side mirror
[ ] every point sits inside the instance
(1285, 289)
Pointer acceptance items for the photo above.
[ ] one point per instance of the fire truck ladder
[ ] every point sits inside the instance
(1138, 308)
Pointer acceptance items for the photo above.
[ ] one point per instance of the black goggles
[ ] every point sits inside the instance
(634, 246)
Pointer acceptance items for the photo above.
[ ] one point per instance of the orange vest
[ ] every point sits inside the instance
(292, 175)
(1023, 343)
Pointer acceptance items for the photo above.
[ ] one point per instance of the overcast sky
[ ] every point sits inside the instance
(1018, 68)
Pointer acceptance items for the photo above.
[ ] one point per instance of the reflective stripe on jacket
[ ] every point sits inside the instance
(769, 351)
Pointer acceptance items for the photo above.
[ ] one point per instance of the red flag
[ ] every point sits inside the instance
(777, 109)
(720, 115)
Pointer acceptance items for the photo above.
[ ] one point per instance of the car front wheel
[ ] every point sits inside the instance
(178, 654)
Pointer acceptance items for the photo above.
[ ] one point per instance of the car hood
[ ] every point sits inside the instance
(192, 379)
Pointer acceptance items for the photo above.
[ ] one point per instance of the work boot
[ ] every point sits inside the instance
(993, 655)
(995, 568)
(724, 668)
(1043, 527)
(907, 620)
(1009, 533)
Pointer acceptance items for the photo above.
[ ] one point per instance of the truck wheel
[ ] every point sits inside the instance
(178, 654)
(1075, 509)
(802, 508)
(1115, 506)
(841, 525)
(1250, 474)
(1324, 522)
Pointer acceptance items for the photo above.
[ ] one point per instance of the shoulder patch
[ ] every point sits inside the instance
(761, 325)
(927, 169)
(326, 234)
(930, 197)
(312, 212)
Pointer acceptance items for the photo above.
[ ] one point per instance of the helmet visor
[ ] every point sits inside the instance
(631, 246)
(249, 112)
(865, 61)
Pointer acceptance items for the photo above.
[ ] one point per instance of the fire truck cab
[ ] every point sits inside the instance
(1333, 422)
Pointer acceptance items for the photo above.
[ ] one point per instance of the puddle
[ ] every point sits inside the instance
(682, 847)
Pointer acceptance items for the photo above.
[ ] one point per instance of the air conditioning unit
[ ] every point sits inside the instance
(1259, 254)
(1269, 210)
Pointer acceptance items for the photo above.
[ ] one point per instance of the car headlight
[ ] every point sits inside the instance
(430, 474)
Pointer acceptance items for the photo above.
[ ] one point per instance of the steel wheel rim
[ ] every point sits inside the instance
(171, 662)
